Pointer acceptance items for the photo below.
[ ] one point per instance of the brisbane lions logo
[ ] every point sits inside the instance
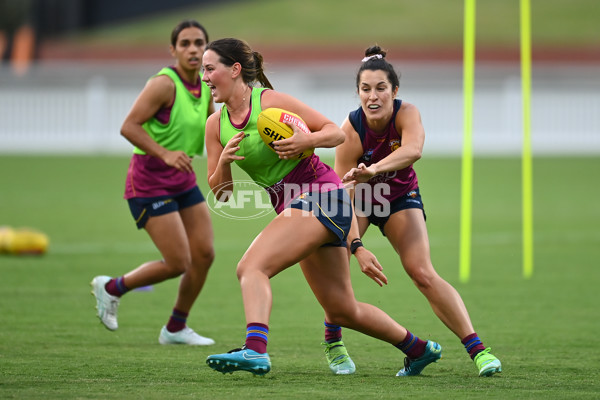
(394, 144)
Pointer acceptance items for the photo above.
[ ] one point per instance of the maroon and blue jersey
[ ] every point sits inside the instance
(377, 146)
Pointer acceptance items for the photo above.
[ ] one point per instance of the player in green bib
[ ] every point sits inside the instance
(166, 126)
(311, 225)
(191, 104)
(260, 162)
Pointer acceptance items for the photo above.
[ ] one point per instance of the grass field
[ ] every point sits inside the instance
(555, 23)
(545, 330)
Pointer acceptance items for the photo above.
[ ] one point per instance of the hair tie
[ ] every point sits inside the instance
(374, 56)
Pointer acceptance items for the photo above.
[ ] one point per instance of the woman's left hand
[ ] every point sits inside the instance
(294, 146)
(360, 174)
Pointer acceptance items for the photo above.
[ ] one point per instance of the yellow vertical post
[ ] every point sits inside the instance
(467, 154)
(527, 167)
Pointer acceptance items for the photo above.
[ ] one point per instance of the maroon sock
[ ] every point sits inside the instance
(333, 333)
(257, 336)
(412, 346)
(473, 345)
(177, 321)
(116, 287)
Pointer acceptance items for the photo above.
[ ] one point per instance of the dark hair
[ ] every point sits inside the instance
(188, 23)
(233, 51)
(375, 61)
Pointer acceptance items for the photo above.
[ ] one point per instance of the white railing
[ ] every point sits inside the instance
(67, 108)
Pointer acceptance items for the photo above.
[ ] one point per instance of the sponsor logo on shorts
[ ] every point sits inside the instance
(158, 204)
(302, 198)
(411, 197)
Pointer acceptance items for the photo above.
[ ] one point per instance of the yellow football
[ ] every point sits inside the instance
(271, 124)
(24, 241)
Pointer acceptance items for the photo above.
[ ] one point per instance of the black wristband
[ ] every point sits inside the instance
(356, 243)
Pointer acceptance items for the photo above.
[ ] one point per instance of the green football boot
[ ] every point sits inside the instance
(487, 363)
(339, 361)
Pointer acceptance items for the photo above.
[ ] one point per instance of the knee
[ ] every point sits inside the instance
(424, 278)
(204, 258)
(247, 268)
(178, 265)
(242, 269)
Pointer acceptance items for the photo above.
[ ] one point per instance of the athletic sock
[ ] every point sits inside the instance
(116, 287)
(177, 321)
(412, 346)
(473, 345)
(257, 336)
(333, 333)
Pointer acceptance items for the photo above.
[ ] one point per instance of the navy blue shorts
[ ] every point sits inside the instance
(411, 199)
(144, 207)
(331, 208)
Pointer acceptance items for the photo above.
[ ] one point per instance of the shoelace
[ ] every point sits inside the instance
(339, 359)
(113, 304)
(238, 349)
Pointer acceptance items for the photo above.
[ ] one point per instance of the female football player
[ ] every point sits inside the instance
(384, 138)
(312, 223)
(166, 126)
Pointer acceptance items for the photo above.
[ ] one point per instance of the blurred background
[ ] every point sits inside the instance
(72, 68)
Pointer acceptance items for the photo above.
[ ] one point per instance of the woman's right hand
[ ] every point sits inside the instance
(228, 155)
(179, 160)
(370, 266)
